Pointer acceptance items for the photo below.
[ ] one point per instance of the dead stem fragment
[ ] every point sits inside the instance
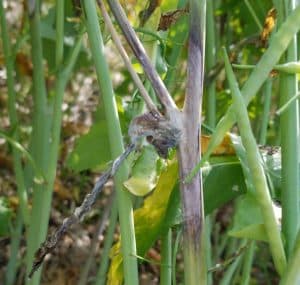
(158, 131)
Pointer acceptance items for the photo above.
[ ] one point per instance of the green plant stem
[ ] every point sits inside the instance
(63, 75)
(289, 127)
(260, 73)
(43, 193)
(109, 238)
(16, 235)
(208, 247)
(285, 106)
(39, 145)
(175, 251)
(144, 93)
(179, 40)
(13, 117)
(232, 268)
(210, 63)
(292, 274)
(139, 51)
(166, 258)
(128, 243)
(248, 260)
(60, 13)
(265, 116)
(256, 168)
(253, 14)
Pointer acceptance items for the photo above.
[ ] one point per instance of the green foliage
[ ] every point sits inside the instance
(143, 176)
(96, 141)
(248, 222)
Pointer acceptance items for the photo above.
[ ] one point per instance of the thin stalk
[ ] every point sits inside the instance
(128, 243)
(13, 117)
(285, 106)
(16, 235)
(166, 258)
(109, 238)
(253, 14)
(266, 112)
(63, 75)
(209, 64)
(292, 274)
(39, 145)
(139, 51)
(248, 260)
(289, 126)
(208, 247)
(144, 93)
(84, 274)
(232, 268)
(44, 195)
(260, 73)
(189, 149)
(175, 251)
(178, 43)
(256, 168)
(60, 12)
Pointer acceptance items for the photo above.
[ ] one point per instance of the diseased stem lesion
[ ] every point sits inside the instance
(188, 123)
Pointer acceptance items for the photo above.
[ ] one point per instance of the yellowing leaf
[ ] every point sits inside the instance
(225, 147)
(268, 25)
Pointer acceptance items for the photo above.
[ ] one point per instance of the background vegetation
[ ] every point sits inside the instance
(66, 101)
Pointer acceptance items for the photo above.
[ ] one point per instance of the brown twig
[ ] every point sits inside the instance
(140, 53)
(51, 242)
(158, 131)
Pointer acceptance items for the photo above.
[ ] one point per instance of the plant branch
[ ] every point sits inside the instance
(256, 167)
(140, 53)
(144, 93)
(49, 245)
(13, 116)
(189, 150)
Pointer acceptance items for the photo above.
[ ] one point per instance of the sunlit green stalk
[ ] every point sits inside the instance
(260, 73)
(256, 168)
(166, 259)
(289, 127)
(128, 243)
